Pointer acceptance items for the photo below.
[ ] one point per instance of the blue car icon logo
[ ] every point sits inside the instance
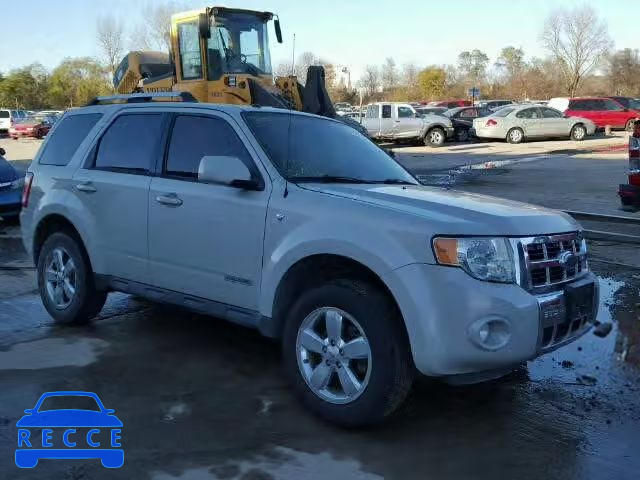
(73, 425)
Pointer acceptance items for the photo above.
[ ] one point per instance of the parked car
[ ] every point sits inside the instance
(400, 121)
(462, 119)
(450, 103)
(9, 117)
(628, 102)
(493, 104)
(601, 111)
(425, 110)
(520, 122)
(34, 127)
(318, 238)
(355, 115)
(10, 189)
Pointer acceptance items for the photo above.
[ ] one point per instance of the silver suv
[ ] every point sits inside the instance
(300, 227)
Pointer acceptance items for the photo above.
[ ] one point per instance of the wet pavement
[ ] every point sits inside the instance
(202, 399)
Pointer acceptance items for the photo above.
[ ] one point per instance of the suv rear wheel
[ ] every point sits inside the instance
(66, 283)
(345, 353)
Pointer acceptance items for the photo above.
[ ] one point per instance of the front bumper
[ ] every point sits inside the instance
(443, 308)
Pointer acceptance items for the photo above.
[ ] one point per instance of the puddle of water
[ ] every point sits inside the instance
(281, 464)
(52, 353)
(175, 411)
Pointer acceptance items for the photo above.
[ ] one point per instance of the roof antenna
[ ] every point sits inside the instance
(286, 165)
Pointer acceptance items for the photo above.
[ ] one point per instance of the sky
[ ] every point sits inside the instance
(350, 33)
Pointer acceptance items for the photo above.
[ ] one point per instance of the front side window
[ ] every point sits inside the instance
(189, 44)
(405, 112)
(551, 113)
(339, 150)
(67, 137)
(612, 105)
(386, 111)
(194, 137)
(130, 144)
(239, 43)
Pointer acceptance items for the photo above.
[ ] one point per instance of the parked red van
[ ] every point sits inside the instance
(601, 111)
(451, 103)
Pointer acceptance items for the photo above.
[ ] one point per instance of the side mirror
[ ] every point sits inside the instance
(2, 151)
(276, 25)
(203, 25)
(226, 170)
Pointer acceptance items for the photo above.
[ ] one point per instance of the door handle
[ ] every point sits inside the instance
(170, 199)
(397, 121)
(86, 187)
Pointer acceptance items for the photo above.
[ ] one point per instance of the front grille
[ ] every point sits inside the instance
(562, 319)
(554, 259)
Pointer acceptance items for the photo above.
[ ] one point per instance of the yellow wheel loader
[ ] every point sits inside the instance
(222, 55)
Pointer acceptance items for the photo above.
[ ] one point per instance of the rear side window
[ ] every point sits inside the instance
(67, 137)
(386, 111)
(195, 137)
(4, 114)
(131, 143)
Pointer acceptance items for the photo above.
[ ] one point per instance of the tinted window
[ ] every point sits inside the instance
(67, 137)
(611, 105)
(338, 149)
(469, 113)
(551, 113)
(130, 143)
(405, 112)
(4, 114)
(386, 111)
(373, 111)
(503, 112)
(189, 42)
(195, 137)
(581, 105)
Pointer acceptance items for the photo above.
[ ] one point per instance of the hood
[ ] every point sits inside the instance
(69, 418)
(458, 213)
(433, 118)
(7, 172)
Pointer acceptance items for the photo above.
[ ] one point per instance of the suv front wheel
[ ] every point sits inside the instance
(346, 354)
(66, 283)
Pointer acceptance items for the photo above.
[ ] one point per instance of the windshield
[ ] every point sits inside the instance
(66, 402)
(338, 150)
(239, 43)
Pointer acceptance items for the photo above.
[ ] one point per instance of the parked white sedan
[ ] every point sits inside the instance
(518, 123)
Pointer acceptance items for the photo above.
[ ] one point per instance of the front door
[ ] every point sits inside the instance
(530, 121)
(407, 125)
(206, 240)
(113, 187)
(554, 123)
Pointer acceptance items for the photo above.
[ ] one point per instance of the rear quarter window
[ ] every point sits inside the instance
(67, 137)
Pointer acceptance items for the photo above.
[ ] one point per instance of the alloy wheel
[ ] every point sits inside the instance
(61, 278)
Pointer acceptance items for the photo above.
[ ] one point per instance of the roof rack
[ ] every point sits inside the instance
(142, 98)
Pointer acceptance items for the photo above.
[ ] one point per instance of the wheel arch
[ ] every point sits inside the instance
(314, 270)
(51, 224)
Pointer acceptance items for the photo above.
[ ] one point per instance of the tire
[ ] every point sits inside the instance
(515, 136)
(629, 126)
(462, 135)
(578, 133)
(86, 301)
(435, 137)
(389, 368)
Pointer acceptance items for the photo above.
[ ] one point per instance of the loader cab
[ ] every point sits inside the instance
(218, 50)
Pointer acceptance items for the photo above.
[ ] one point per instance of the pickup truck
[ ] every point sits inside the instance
(400, 121)
(302, 228)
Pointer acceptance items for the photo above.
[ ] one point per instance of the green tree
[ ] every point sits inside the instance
(25, 87)
(76, 81)
(473, 66)
(432, 82)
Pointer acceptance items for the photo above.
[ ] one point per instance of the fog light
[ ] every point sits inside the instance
(490, 334)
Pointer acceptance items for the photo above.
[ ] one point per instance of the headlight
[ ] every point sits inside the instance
(484, 258)
(17, 184)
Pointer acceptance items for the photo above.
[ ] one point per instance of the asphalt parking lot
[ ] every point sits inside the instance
(202, 399)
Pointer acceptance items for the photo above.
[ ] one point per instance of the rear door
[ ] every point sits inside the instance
(113, 186)
(613, 113)
(407, 125)
(529, 120)
(387, 123)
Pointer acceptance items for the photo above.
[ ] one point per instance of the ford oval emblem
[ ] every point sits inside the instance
(568, 259)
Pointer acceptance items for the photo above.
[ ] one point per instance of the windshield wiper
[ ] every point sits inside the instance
(329, 179)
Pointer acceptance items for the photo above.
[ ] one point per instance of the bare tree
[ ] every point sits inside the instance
(410, 74)
(389, 73)
(370, 80)
(155, 32)
(110, 34)
(578, 40)
(624, 72)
